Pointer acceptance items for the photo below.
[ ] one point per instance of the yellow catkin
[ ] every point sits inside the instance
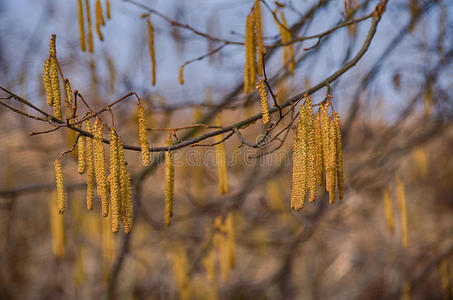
(47, 82)
(401, 198)
(81, 163)
(90, 31)
(54, 80)
(311, 150)
(406, 291)
(114, 181)
(339, 152)
(108, 248)
(81, 26)
(231, 239)
(389, 211)
(56, 226)
(99, 19)
(181, 272)
(288, 53)
(181, 74)
(299, 188)
(259, 36)
(264, 104)
(222, 171)
(143, 134)
(126, 206)
(250, 54)
(89, 166)
(69, 94)
(99, 166)
(318, 147)
(332, 165)
(107, 7)
(324, 115)
(152, 53)
(443, 274)
(60, 187)
(169, 183)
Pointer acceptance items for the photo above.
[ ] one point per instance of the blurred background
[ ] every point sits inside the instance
(389, 238)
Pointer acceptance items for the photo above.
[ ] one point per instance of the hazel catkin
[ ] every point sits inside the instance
(81, 163)
(90, 31)
(259, 36)
(300, 172)
(60, 187)
(339, 153)
(47, 83)
(56, 226)
(99, 166)
(126, 206)
(81, 26)
(89, 166)
(169, 183)
(222, 171)
(143, 134)
(114, 180)
(152, 53)
(264, 104)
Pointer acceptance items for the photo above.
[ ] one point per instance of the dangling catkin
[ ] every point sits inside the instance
(107, 7)
(81, 163)
(389, 210)
(114, 183)
(99, 166)
(231, 240)
(332, 165)
(311, 150)
(264, 105)
(169, 183)
(54, 81)
(90, 31)
(325, 140)
(89, 166)
(47, 82)
(81, 26)
(60, 187)
(401, 198)
(300, 171)
(69, 97)
(181, 74)
(151, 49)
(259, 36)
(143, 134)
(125, 189)
(288, 59)
(222, 171)
(56, 227)
(250, 53)
(339, 152)
(99, 19)
(318, 148)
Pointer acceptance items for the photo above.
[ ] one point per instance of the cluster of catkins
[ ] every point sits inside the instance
(99, 18)
(317, 158)
(91, 159)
